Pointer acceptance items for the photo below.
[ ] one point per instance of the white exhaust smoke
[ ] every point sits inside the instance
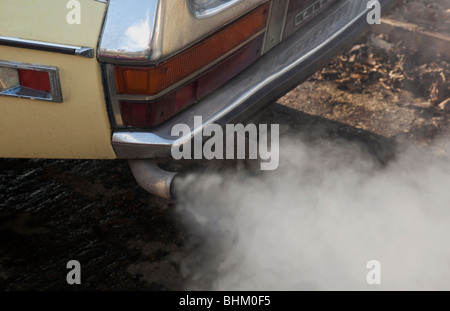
(316, 222)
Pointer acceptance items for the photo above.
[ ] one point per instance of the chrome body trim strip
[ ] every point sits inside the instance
(47, 46)
(274, 74)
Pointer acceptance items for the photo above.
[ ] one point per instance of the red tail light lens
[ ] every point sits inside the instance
(149, 114)
(37, 80)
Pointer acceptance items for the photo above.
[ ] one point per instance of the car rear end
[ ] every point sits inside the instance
(158, 63)
(221, 60)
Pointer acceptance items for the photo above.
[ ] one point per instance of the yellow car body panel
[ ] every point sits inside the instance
(77, 128)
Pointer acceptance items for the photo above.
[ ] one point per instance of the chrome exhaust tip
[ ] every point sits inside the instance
(153, 179)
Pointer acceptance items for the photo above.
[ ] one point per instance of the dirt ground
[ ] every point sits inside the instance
(379, 91)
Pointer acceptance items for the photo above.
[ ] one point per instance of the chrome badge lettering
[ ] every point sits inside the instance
(309, 11)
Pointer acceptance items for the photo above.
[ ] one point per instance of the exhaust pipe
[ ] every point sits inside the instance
(153, 179)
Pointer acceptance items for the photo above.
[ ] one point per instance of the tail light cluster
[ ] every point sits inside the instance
(147, 96)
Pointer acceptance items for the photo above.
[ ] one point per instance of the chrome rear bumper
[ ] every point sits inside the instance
(273, 75)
